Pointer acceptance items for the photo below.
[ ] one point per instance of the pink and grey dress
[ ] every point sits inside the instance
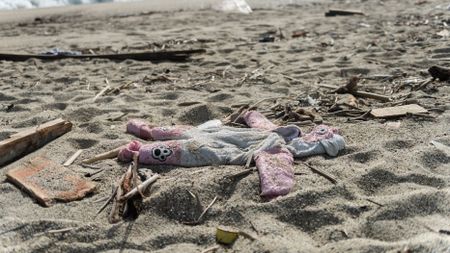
(272, 147)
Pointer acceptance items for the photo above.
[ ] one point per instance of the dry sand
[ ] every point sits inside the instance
(397, 168)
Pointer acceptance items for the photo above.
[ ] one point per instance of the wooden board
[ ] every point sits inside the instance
(396, 111)
(49, 182)
(31, 139)
(175, 56)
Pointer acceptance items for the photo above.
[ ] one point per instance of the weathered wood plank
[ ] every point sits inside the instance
(31, 139)
(396, 111)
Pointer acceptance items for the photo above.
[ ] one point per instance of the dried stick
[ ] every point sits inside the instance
(140, 187)
(239, 174)
(103, 156)
(89, 174)
(108, 201)
(247, 235)
(376, 203)
(423, 84)
(73, 157)
(62, 230)
(135, 173)
(199, 219)
(357, 93)
(197, 199)
(101, 93)
(114, 215)
(206, 209)
(211, 249)
(320, 172)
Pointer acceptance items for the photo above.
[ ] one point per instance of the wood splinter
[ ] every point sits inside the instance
(73, 157)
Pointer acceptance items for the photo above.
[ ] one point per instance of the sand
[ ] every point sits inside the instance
(405, 178)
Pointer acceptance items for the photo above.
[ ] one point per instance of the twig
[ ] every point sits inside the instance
(211, 249)
(320, 172)
(242, 173)
(73, 157)
(90, 166)
(134, 170)
(89, 174)
(101, 93)
(253, 106)
(199, 219)
(374, 202)
(424, 84)
(140, 187)
(103, 156)
(117, 117)
(247, 235)
(206, 209)
(100, 199)
(363, 94)
(117, 205)
(376, 96)
(197, 199)
(62, 230)
(113, 195)
(249, 159)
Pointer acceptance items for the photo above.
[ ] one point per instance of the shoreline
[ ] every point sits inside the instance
(131, 8)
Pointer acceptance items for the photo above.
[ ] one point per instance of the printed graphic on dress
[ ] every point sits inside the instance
(161, 153)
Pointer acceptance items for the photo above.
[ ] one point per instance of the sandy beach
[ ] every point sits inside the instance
(392, 186)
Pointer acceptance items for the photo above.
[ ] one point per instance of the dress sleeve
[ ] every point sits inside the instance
(143, 130)
(275, 167)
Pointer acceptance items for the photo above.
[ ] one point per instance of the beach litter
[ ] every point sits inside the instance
(236, 6)
(228, 235)
(57, 51)
(29, 140)
(49, 182)
(271, 147)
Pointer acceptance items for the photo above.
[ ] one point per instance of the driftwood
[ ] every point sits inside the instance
(352, 88)
(31, 139)
(175, 56)
(337, 12)
(397, 111)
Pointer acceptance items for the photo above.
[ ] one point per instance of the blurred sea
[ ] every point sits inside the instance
(27, 4)
(183, 4)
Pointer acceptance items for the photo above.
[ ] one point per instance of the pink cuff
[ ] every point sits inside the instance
(139, 128)
(126, 154)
